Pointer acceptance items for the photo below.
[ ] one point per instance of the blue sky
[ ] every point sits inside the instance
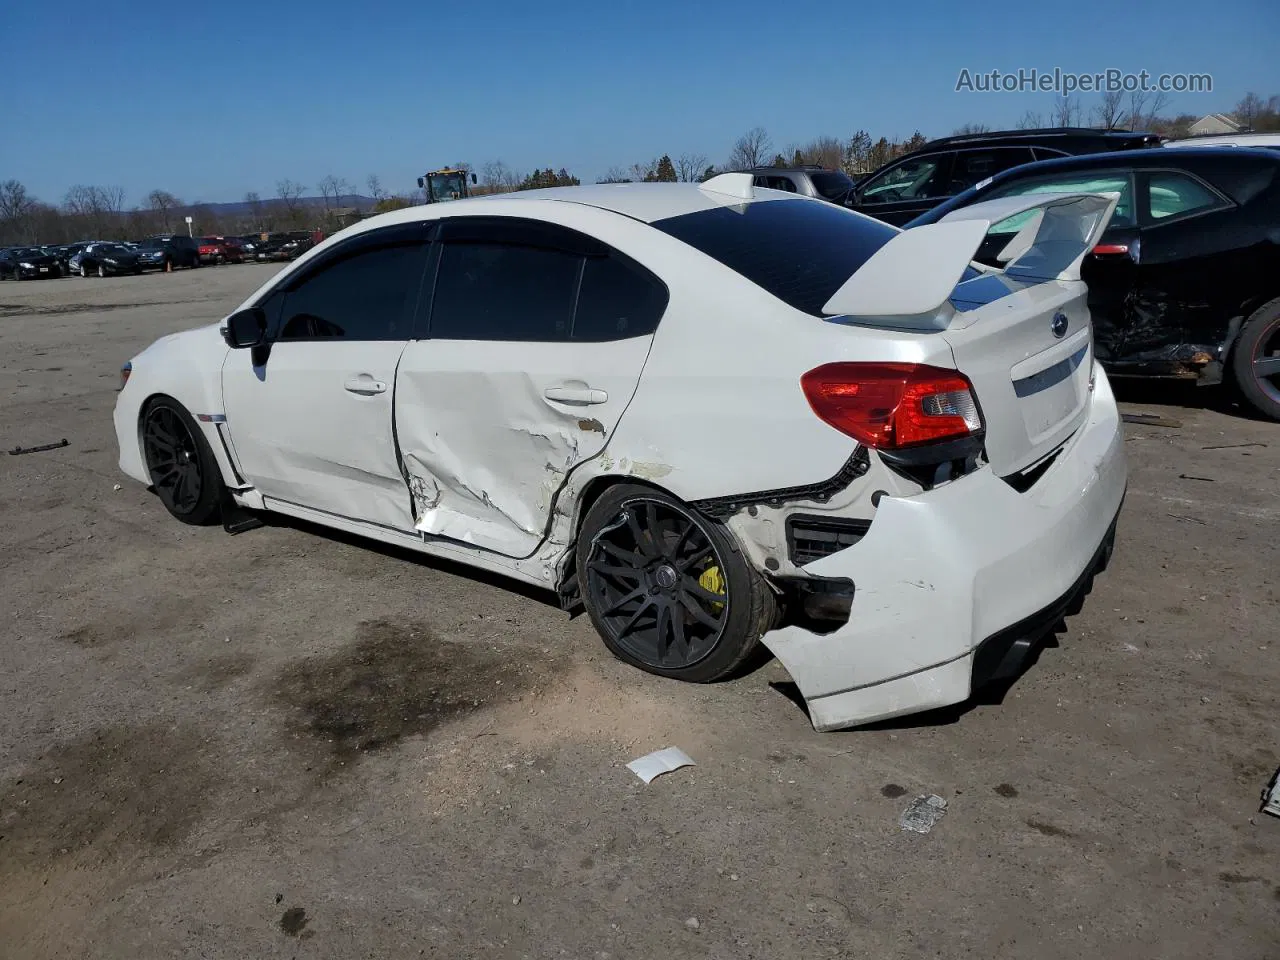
(210, 100)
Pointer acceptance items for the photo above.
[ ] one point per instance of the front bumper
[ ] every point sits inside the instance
(940, 573)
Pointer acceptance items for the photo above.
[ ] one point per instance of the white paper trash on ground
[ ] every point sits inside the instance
(659, 762)
(1271, 796)
(922, 813)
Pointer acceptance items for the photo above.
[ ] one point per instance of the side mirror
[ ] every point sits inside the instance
(473, 179)
(248, 328)
(421, 183)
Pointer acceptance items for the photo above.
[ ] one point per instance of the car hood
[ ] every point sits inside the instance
(43, 260)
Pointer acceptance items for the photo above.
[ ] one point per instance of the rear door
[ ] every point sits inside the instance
(535, 340)
(311, 422)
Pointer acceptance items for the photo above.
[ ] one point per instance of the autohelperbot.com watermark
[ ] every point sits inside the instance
(1064, 82)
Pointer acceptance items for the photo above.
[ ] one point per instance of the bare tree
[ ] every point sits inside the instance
(290, 193)
(752, 150)
(161, 202)
(616, 175)
(969, 128)
(645, 170)
(330, 189)
(1249, 109)
(374, 183)
(1109, 113)
(1066, 111)
(826, 152)
(256, 210)
(689, 166)
(1030, 120)
(16, 207)
(497, 177)
(1144, 108)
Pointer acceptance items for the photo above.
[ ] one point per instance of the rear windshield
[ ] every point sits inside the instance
(831, 185)
(801, 251)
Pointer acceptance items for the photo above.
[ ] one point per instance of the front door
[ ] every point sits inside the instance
(312, 424)
(537, 337)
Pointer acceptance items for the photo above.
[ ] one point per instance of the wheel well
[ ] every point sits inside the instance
(567, 587)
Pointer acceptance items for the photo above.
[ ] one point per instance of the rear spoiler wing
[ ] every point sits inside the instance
(909, 281)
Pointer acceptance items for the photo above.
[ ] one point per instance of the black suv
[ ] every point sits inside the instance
(909, 186)
(168, 251)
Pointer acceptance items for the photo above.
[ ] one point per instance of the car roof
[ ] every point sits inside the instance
(1047, 135)
(646, 202)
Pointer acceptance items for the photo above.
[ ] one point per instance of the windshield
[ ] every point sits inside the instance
(447, 186)
(832, 186)
(111, 249)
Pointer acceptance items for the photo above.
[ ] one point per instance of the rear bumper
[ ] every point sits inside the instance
(949, 582)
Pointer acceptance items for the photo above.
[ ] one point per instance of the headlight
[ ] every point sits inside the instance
(27, 266)
(108, 260)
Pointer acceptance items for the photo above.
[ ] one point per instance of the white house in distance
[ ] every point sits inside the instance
(1215, 123)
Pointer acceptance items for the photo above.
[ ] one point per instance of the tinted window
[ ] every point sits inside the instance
(831, 185)
(801, 251)
(495, 291)
(364, 292)
(919, 177)
(1088, 182)
(774, 182)
(616, 301)
(973, 165)
(1175, 194)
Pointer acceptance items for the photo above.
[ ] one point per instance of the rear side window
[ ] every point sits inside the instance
(617, 300)
(973, 165)
(1176, 195)
(801, 251)
(493, 291)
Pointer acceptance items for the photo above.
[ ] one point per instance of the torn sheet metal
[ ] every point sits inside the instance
(507, 423)
(923, 813)
(659, 762)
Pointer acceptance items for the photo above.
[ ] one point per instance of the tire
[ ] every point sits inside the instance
(651, 569)
(1259, 342)
(183, 472)
(195, 263)
(102, 272)
(84, 271)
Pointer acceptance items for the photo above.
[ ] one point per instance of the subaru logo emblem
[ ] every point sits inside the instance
(1059, 325)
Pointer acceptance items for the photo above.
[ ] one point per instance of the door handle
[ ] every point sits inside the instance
(578, 396)
(365, 385)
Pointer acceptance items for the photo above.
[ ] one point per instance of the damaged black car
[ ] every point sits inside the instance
(1185, 282)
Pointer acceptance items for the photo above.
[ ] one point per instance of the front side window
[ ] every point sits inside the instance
(1090, 182)
(831, 185)
(366, 292)
(917, 178)
(1176, 194)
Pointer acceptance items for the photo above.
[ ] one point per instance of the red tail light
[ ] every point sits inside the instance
(893, 405)
(1111, 249)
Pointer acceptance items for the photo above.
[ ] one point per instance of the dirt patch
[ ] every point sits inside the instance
(1006, 790)
(119, 790)
(293, 921)
(1048, 829)
(893, 791)
(398, 680)
(216, 672)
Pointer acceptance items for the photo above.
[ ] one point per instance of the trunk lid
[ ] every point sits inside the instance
(1021, 334)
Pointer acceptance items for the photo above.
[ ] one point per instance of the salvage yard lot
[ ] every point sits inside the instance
(292, 743)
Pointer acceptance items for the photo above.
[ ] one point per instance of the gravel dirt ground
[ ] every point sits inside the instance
(294, 744)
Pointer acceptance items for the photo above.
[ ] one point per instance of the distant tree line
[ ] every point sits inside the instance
(99, 212)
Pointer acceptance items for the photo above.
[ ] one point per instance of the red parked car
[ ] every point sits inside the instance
(220, 250)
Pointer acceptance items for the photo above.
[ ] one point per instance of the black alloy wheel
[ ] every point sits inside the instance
(181, 465)
(667, 589)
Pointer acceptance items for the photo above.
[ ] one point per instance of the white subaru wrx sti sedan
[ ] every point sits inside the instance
(708, 414)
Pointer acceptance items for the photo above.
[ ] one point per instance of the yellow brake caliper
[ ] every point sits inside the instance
(711, 580)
